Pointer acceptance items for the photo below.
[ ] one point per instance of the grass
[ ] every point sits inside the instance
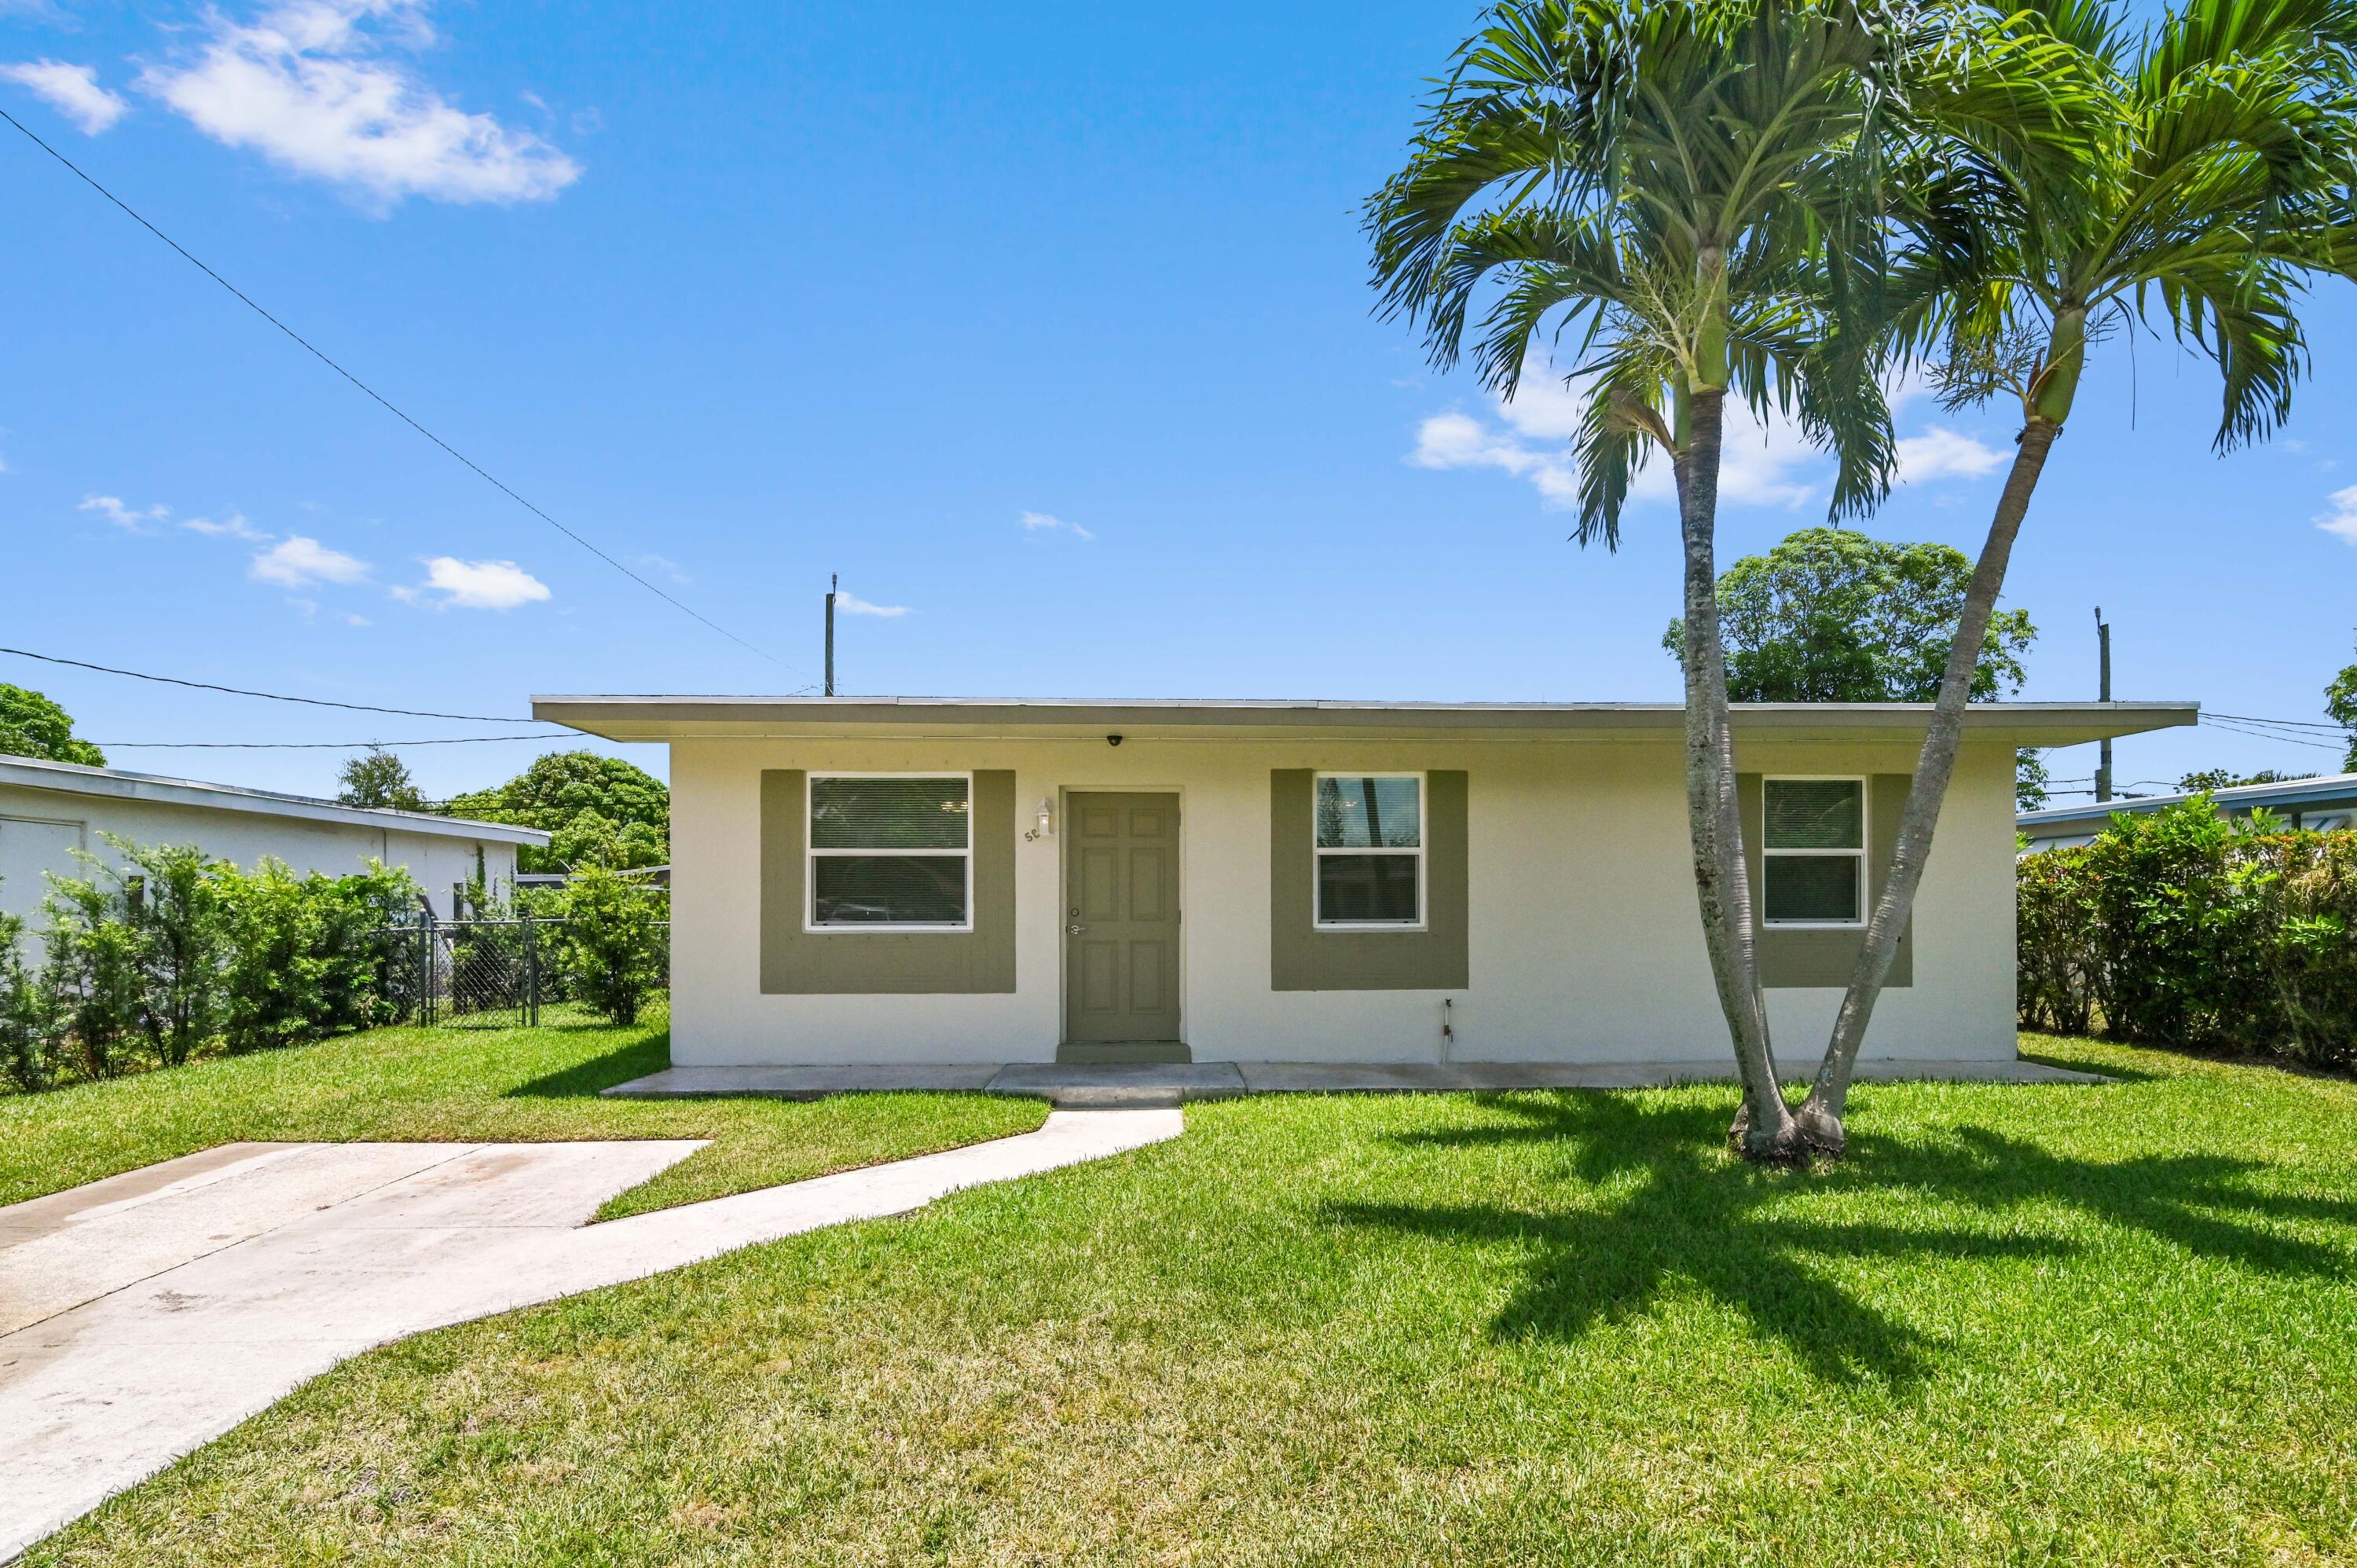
(2020, 1325)
(463, 1084)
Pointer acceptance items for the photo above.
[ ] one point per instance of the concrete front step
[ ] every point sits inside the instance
(1076, 1086)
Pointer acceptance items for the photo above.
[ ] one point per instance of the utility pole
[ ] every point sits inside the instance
(833, 582)
(2103, 652)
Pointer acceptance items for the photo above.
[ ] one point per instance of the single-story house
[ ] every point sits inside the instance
(905, 880)
(49, 809)
(2322, 803)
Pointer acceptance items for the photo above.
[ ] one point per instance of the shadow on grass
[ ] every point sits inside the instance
(584, 1080)
(1669, 1210)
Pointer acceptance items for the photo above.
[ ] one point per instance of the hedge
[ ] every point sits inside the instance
(2178, 927)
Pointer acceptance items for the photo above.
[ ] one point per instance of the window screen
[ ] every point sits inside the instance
(1814, 852)
(1370, 849)
(891, 852)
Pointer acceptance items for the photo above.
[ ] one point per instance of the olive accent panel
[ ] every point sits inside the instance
(799, 962)
(1303, 958)
(1796, 960)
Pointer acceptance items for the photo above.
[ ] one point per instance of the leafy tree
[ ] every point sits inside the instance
(615, 947)
(591, 839)
(32, 726)
(378, 778)
(2227, 778)
(2030, 780)
(559, 788)
(2212, 185)
(1697, 197)
(1832, 615)
(2340, 707)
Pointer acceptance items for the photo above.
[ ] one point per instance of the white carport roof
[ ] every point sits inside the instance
(113, 783)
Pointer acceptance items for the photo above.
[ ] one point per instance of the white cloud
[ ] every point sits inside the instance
(311, 86)
(2341, 521)
(476, 585)
(851, 604)
(1041, 522)
(131, 519)
(1762, 463)
(234, 526)
(298, 562)
(1943, 454)
(72, 90)
(669, 568)
(356, 621)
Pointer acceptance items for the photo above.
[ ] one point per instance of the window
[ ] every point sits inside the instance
(1369, 850)
(1814, 852)
(891, 851)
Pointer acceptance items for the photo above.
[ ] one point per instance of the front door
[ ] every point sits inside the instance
(1120, 924)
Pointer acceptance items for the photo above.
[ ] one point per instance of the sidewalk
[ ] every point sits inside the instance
(1075, 1087)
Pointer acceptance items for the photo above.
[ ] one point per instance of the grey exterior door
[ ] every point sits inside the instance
(1121, 919)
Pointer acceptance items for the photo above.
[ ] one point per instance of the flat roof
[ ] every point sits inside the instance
(2329, 788)
(653, 718)
(114, 783)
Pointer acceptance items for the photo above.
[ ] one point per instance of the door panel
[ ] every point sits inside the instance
(1121, 966)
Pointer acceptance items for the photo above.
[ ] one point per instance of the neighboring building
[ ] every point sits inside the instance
(2319, 803)
(49, 809)
(933, 880)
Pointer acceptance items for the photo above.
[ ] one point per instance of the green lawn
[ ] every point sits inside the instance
(2020, 1325)
(513, 1085)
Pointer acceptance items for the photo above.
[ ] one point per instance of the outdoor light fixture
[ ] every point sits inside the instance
(1047, 819)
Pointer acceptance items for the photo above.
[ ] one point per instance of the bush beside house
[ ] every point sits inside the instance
(2179, 927)
(174, 953)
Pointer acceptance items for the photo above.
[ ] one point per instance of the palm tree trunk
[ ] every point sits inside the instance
(1764, 1129)
(1821, 1114)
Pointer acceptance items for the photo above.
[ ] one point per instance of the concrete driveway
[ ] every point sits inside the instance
(143, 1315)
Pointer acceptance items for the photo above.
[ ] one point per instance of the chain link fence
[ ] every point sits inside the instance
(496, 974)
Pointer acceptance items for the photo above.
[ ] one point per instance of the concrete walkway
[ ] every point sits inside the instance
(143, 1315)
(1076, 1086)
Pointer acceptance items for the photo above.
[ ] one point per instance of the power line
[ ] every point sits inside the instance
(272, 696)
(2258, 726)
(2285, 722)
(302, 745)
(379, 399)
(2271, 735)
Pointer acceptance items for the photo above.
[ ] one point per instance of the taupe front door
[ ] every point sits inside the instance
(1121, 919)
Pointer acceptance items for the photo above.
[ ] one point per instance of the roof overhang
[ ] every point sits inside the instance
(668, 718)
(113, 783)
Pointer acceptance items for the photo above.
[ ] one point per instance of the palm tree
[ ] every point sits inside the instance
(1698, 196)
(2214, 185)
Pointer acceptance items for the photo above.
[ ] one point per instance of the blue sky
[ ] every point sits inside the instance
(875, 290)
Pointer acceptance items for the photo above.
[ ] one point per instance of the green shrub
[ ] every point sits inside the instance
(92, 985)
(615, 946)
(2178, 927)
(24, 1025)
(179, 924)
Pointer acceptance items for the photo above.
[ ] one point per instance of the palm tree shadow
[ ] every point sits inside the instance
(1661, 1210)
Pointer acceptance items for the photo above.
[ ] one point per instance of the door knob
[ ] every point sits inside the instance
(1075, 930)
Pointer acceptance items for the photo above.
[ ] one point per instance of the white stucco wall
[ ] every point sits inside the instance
(37, 828)
(1584, 940)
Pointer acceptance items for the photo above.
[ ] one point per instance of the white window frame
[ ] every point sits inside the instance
(810, 854)
(1318, 852)
(1865, 840)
